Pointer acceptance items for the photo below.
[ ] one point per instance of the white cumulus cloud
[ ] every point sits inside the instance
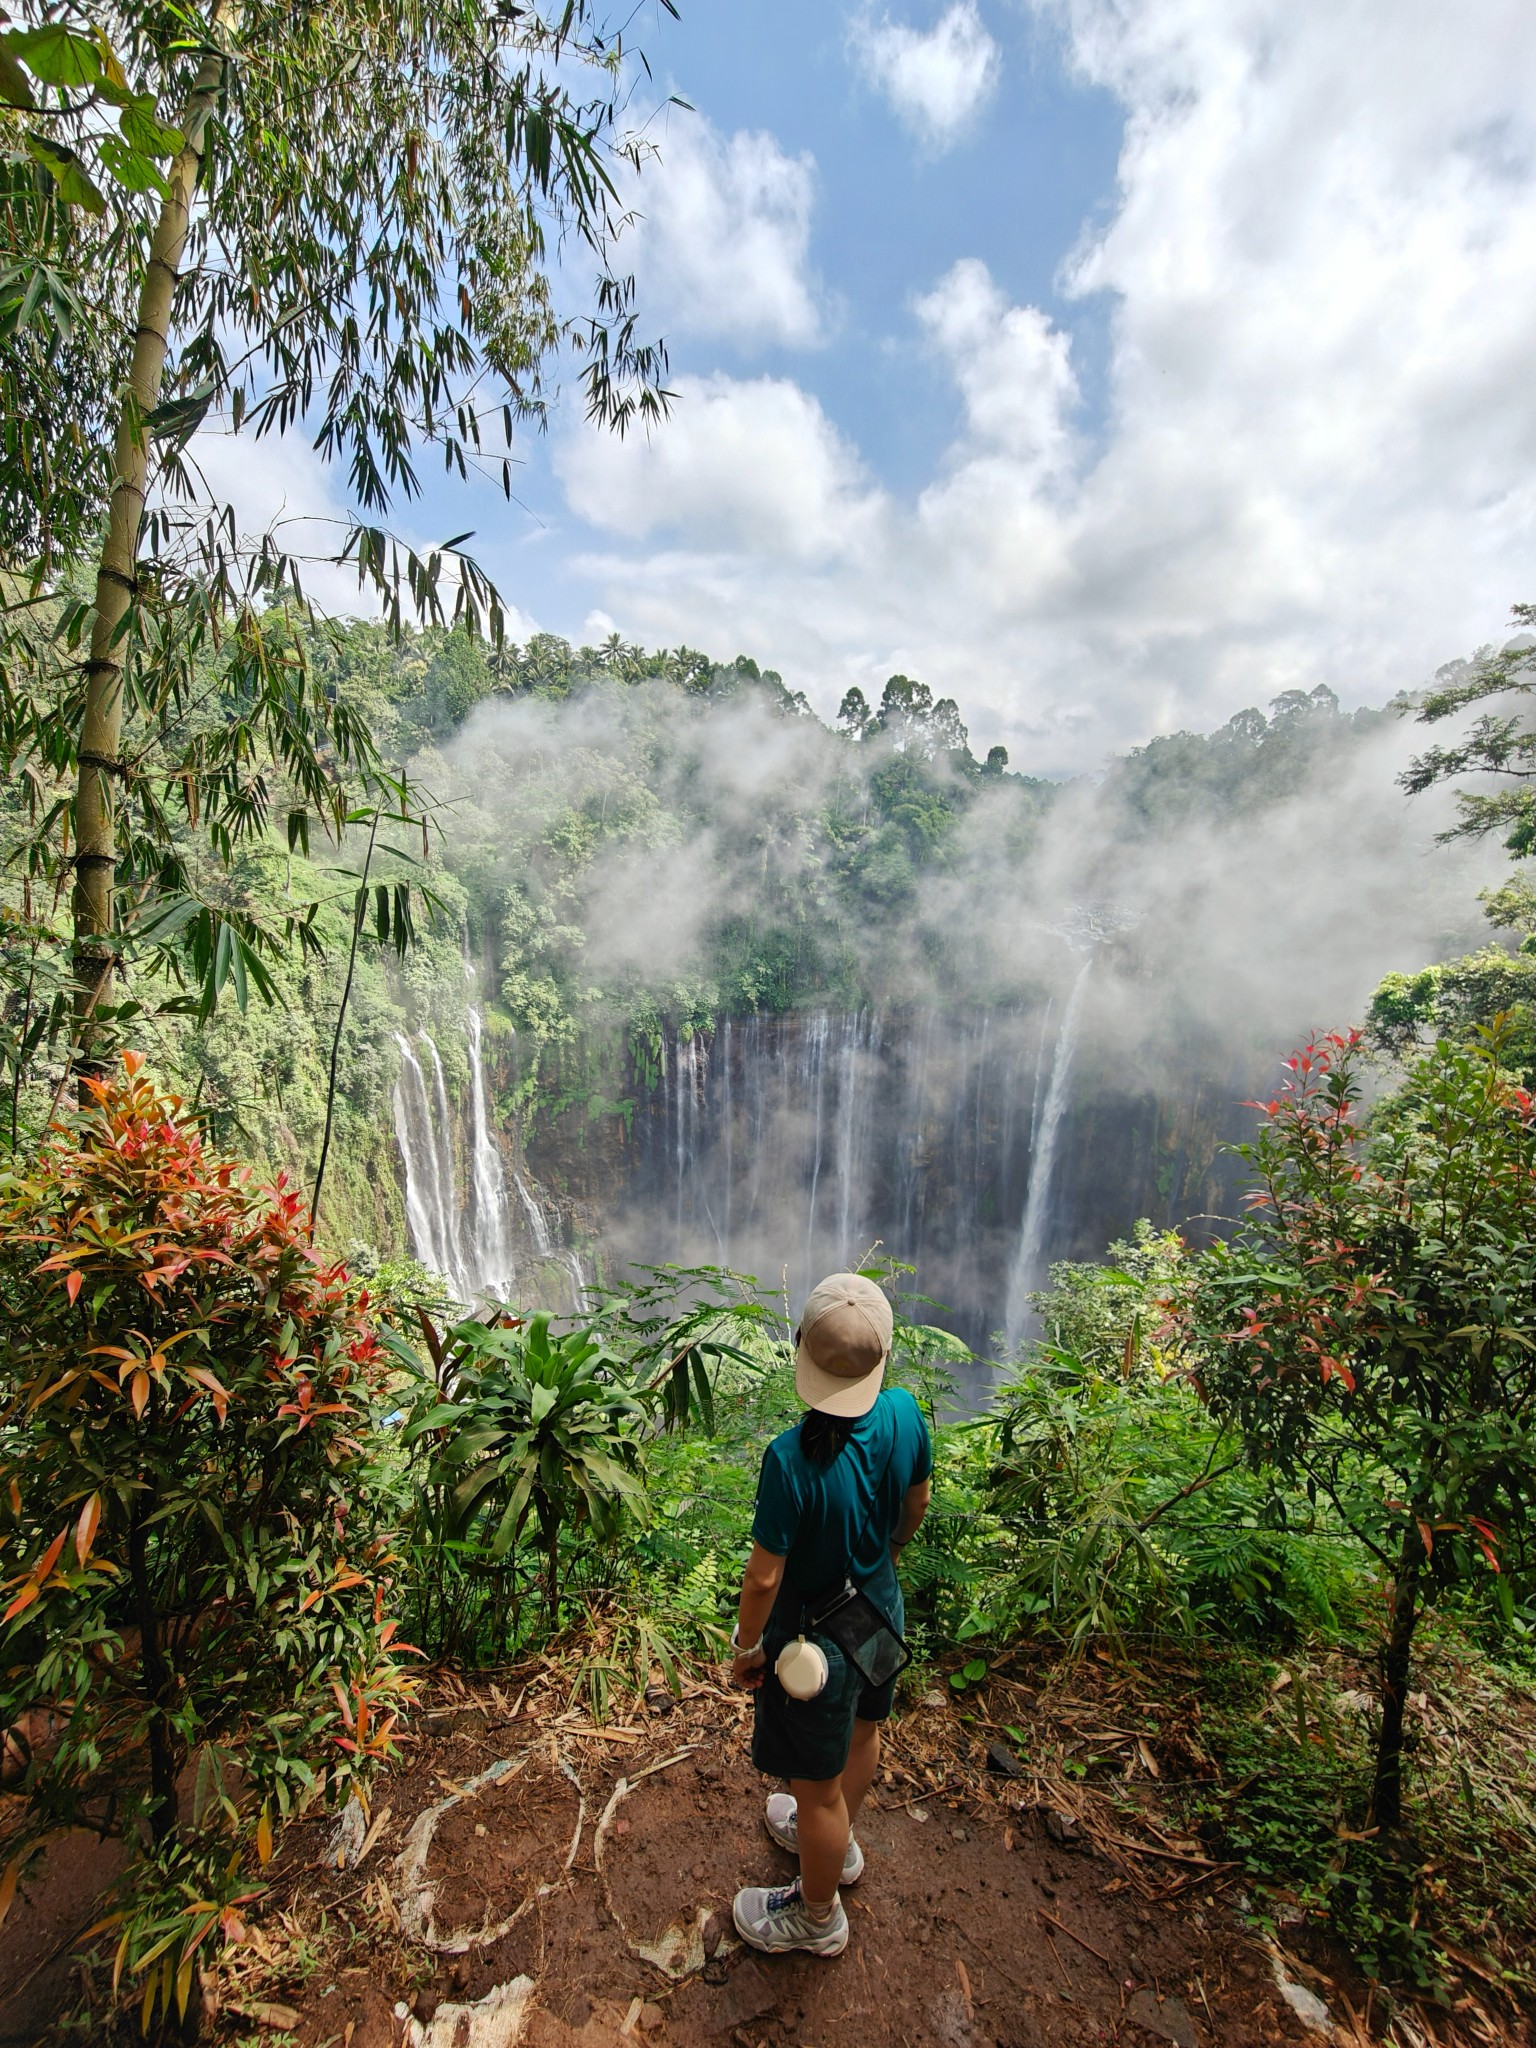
(749, 462)
(936, 79)
(723, 240)
(1315, 457)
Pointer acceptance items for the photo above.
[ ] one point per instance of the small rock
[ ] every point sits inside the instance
(960, 1834)
(1002, 1762)
(480, 1828)
(266, 2013)
(1306, 2005)
(713, 1933)
(752, 1994)
(933, 1699)
(1171, 2018)
(1063, 1828)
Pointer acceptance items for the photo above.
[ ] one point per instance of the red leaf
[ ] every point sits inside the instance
(86, 1527)
(72, 1286)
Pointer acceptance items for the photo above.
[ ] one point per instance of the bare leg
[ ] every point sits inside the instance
(822, 1822)
(859, 1771)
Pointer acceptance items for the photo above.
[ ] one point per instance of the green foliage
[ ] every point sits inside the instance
(673, 1325)
(1499, 743)
(1371, 1332)
(1247, 763)
(381, 275)
(521, 1421)
(515, 1424)
(1457, 999)
(1375, 1316)
(193, 1563)
(1295, 1743)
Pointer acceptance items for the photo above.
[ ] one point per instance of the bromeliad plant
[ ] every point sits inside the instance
(519, 1423)
(192, 1572)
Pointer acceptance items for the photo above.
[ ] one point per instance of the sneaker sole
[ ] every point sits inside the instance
(788, 1843)
(824, 1951)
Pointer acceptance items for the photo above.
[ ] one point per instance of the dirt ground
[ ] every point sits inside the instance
(583, 1894)
(527, 1880)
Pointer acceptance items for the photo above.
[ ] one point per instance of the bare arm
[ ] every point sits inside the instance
(760, 1584)
(913, 1509)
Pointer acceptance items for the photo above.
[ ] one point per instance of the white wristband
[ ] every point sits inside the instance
(744, 1649)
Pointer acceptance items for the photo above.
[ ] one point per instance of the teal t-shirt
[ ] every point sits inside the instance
(831, 1522)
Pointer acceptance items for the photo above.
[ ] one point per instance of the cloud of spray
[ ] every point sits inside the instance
(624, 830)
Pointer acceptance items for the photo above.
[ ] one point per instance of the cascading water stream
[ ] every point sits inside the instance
(472, 1250)
(490, 1239)
(453, 1268)
(418, 1153)
(537, 1224)
(1024, 1275)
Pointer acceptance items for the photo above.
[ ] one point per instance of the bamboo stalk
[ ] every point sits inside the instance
(99, 759)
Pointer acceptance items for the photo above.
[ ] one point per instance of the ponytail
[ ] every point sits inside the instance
(823, 1436)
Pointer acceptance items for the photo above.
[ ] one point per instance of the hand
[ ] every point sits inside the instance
(749, 1669)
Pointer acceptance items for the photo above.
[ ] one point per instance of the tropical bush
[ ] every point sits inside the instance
(193, 1642)
(513, 1426)
(1371, 1332)
(526, 1425)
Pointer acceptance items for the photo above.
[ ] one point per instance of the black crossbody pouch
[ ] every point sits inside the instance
(860, 1630)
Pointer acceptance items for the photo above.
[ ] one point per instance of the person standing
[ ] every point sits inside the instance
(839, 1494)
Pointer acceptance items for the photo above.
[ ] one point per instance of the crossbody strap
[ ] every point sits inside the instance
(874, 1499)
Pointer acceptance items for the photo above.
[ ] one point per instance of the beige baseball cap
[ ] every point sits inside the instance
(842, 1344)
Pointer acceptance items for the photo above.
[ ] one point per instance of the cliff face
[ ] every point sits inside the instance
(788, 1146)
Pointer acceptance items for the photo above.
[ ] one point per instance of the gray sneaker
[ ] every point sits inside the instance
(781, 1822)
(776, 1920)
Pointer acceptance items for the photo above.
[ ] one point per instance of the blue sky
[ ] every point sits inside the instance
(1111, 367)
(891, 210)
(1015, 188)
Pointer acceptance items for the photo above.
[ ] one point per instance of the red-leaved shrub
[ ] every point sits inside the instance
(193, 1556)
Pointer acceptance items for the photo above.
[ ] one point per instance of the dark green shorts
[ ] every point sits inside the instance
(811, 1738)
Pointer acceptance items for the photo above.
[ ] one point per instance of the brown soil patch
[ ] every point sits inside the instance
(951, 1943)
(57, 1901)
(682, 1843)
(490, 1853)
(990, 1914)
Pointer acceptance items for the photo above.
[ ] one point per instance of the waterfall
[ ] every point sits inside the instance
(855, 1128)
(470, 1249)
(544, 1242)
(424, 1195)
(453, 1268)
(1025, 1275)
(535, 1215)
(491, 1244)
(814, 1056)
